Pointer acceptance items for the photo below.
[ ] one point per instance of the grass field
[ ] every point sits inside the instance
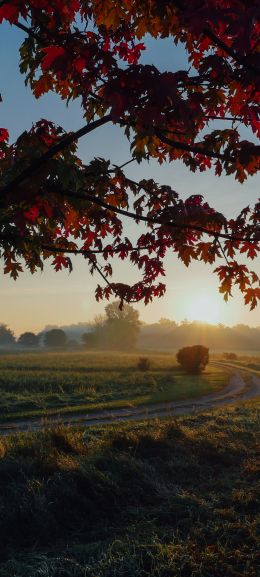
(55, 383)
(251, 365)
(171, 498)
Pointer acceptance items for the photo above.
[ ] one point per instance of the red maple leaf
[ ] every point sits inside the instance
(4, 135)
(32, 214)
(61, 261)
(9, 12)
(51, 54)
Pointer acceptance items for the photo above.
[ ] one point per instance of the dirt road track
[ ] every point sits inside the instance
(236, 391)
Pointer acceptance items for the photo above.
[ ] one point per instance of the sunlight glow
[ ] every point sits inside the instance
(203, 308)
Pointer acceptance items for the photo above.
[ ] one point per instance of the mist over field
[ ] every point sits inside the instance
(167, 334)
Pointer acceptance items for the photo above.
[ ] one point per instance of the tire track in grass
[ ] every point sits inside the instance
(237, 390)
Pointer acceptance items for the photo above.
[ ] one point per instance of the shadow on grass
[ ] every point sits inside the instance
(145, 499)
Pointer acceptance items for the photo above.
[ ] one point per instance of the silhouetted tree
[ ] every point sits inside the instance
(95, 336)
(55, 338)
(193, 359)
(28, 339)
(118, 329)
(122, 327)
(6, 335)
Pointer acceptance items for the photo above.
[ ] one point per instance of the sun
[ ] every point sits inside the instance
(203, 308)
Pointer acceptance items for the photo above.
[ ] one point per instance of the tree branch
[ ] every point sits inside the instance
(242, 60)
(83, 252)
(150, 220)
(28, 31)
(66, 250)
(98, 268)
(187, 147)
(63, 143)
(228, 118)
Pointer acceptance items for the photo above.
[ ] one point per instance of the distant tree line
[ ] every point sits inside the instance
(122, 329)
(167, 334)
(117, 329)
(55, 338)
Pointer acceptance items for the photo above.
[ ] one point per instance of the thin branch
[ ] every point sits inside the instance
(223, 252)
(66, 250)
(28, 31)
(124, 164)
(228, 118)
(115, 249)
(98, 268)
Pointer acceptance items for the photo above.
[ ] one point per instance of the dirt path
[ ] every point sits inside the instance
(236, 390)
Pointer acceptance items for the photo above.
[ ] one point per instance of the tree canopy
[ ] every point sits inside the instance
(53, 204)
(55, 338)
(118, 329)
(6, 335)
(29, 339)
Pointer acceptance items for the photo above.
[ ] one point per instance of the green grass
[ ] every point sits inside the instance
(42, 384)
(251, 366)
(168, 498)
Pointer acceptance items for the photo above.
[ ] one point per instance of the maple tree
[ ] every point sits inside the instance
(54, 205)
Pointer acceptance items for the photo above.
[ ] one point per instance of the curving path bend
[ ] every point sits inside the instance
(236, 390)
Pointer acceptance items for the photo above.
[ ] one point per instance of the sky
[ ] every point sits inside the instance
(34, 301)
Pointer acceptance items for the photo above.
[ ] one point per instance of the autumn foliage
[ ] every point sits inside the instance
(54, 205)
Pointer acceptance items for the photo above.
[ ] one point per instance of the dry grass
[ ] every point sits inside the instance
(166, 498)
(42, 384)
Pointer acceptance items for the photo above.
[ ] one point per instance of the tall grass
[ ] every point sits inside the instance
(160, 499)
(51, 383)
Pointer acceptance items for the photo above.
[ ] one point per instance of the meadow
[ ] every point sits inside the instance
(168, 498)
(48, 383)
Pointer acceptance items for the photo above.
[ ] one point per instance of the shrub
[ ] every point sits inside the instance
(230, 356)
(143, 364)
(193, 359)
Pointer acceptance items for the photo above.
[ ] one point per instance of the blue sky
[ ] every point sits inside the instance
(59, 298)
